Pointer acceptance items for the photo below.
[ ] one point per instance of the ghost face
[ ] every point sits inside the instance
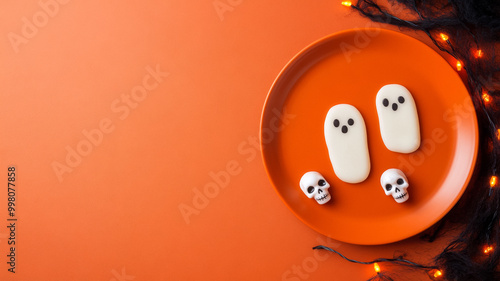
(394, 102)
(395, 183)
(313, 184)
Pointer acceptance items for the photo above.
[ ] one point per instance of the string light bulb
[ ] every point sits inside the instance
(438, 273)
(444, 36)
(488, 249)
(376, 267)
(459, 65)
(486, 97)
(498, 134)
(478, 54)
(493, 181)
(346, 3)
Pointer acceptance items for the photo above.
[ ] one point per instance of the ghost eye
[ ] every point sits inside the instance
(400, 181)
(321, 183)
(388, 187)
(310, 189)
(350, 122)
(385, 102)
(401, 99)
(336, 123)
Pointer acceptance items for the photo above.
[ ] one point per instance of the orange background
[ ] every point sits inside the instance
(128, 205)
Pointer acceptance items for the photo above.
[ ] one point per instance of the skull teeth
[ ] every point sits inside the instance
(401, 196)
(324, 197)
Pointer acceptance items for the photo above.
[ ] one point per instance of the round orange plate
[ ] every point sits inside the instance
(350, 67)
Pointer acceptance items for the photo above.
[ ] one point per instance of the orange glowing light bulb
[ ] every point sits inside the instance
(346, 3)
(376, 267)
(459, 65)
(486, 97)
(488, 249)
(444, 36)
(438, 274)
(479, 53)
(493, 181)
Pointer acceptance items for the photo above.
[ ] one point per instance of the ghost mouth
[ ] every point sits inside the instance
(401, 196)
(322, 198)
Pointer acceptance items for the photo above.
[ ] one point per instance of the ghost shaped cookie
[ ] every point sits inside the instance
(346, 140)
(398, 119)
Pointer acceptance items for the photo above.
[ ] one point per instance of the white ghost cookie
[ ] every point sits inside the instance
(345, 135)
(395, 184)
(398, 119)
(313, 184)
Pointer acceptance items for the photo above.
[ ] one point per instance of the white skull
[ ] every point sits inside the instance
(395, 183)
(313, 184)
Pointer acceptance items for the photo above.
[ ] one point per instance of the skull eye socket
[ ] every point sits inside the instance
(401, 99)
(388, 187)
(321, 183)
(385, 102)
(400, 181)
(310, 189)
(336, 123)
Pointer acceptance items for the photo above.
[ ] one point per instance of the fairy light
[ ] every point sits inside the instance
(488, 249)
(493, 181)
(478, 54)
(486, 97)
(459, 65)
(438, 273)
(444, 36)
(376, 267)
(435, 274)
(498, 134)
(346, 3)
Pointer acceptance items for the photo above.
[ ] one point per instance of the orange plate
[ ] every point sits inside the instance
(350, 67)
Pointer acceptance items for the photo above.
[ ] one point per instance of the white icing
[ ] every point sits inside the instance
(398, 119)
(313, 184)
(395, 183)
(347, 143)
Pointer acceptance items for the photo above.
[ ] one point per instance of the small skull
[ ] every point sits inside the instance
(395, 183)
(313, 184)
